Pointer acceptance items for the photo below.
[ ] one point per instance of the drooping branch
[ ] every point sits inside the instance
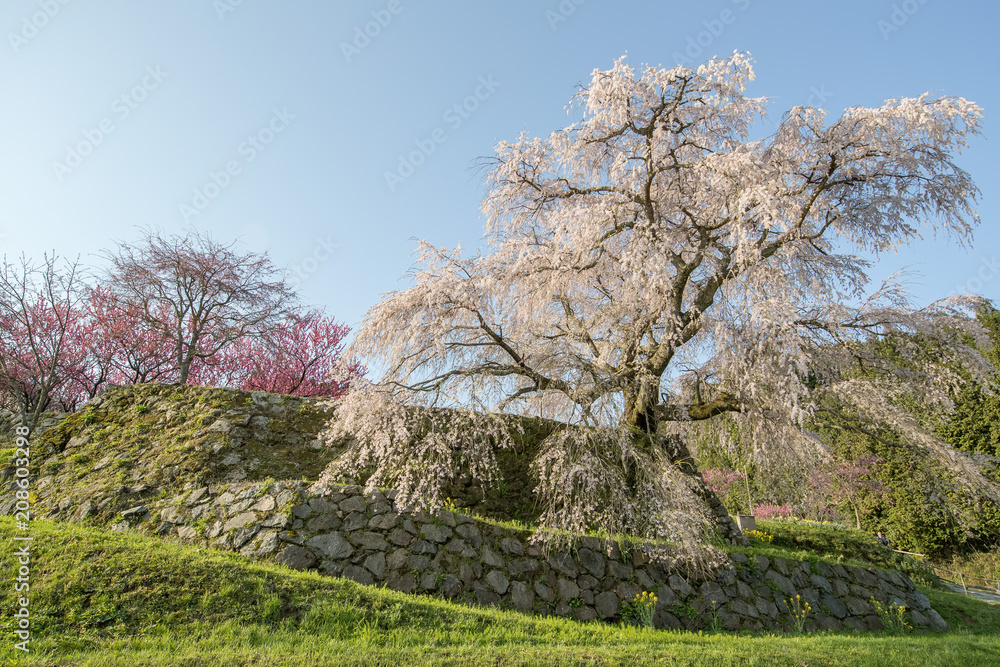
(688, 412)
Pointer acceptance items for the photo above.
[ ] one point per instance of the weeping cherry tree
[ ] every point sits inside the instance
(651, 265)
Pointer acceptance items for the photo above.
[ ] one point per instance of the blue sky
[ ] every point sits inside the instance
(277, 122)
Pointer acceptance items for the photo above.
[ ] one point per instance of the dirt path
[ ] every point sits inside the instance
(974, 592)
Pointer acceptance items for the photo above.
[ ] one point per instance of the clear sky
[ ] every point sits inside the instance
(277, 122)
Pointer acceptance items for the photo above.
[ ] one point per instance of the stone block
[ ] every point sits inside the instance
(331, 545)
(781, 582)
(619, 570)
(354, 521)
(360, 575)
(423, 547)
(323, 522)
(450, 587)
(666, 596)
(681, 587)
(296, 558)
(762, 563)
(436, 534)
(429, 581)
(563, 564)
(369, 540)
(766, 607)
(744, 608)
(354, 504)
(456, 546)
(857, 606)
(627, 591)
(839, 588)
(497, 581)
(322, 506)
(517, 568)
(418, 562)
(484, 595)
(605, 604)
(710, 591)
(567, 590)
(836, 608)
(509, 545)
(400, 537)
(397, 559)
(275, 521)
(544, 592)
(375, 564)
(471, 534)
(821, 582)
(239, 521)
(920, 601)
(383, 522)
(521, 596)
(196, 496)
(491, 558)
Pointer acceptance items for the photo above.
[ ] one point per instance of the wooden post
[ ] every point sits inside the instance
(962, 577)
(746, 478)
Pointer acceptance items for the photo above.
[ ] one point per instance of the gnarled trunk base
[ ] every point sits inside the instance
(723, 523)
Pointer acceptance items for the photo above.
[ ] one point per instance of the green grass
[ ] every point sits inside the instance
(831, 543)
(101, 598)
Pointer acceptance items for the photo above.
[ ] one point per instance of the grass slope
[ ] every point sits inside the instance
(102, 598)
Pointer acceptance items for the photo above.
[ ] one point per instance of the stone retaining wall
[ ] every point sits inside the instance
(343, 532)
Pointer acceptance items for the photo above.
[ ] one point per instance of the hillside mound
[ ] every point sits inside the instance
(146, 442)
(142, 443)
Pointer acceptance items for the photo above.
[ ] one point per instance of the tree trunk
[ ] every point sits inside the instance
(857, 514)
(644, 412)
(639, 407)
(185, 370)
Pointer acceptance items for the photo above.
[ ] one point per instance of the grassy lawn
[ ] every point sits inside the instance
(101, 598)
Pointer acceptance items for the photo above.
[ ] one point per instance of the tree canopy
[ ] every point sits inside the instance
(654, 263)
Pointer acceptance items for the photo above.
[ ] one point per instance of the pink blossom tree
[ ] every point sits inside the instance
(724, 482)
(197, 295)
(40, 322)
(840, 482)
(123, 349)
(294, 357)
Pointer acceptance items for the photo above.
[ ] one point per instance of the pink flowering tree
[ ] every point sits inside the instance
(123, 349)
(296, 357)
(40, 322)
(169, 309)
(727, 485)
(770, 511)
(847, 482)
(195, 295)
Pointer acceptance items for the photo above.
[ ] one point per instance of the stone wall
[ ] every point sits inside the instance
(343, 532)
